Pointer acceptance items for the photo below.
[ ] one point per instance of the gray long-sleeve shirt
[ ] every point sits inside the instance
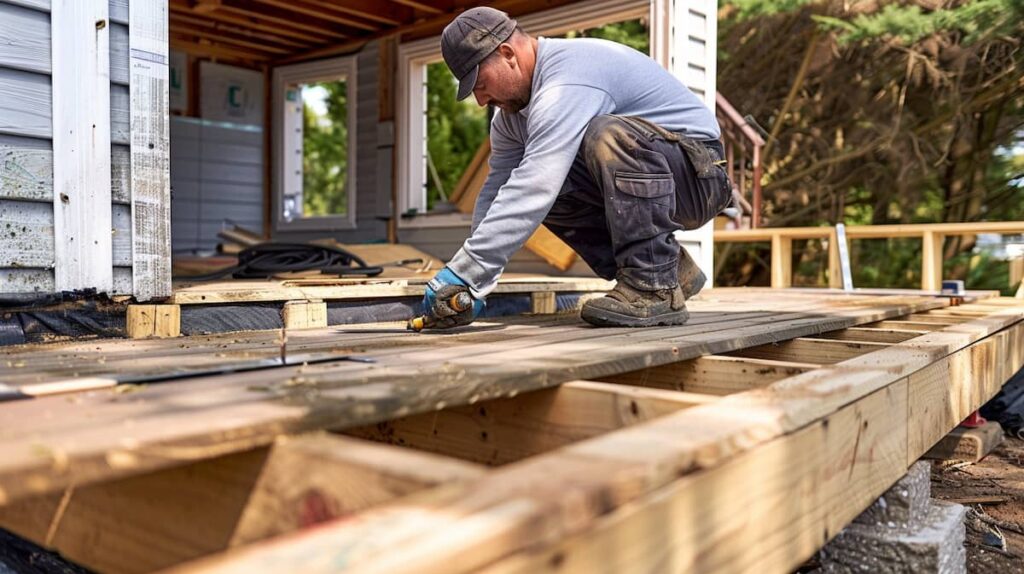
(532, 151)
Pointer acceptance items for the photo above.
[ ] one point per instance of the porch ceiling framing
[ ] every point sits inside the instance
(315, 28)
(773, 454)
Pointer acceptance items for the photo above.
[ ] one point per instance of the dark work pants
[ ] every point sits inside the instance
(631, 186)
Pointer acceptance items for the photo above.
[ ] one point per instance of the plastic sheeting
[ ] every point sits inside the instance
(91, 318)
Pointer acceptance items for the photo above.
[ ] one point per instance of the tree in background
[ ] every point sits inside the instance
(882, 112)
(325, 148)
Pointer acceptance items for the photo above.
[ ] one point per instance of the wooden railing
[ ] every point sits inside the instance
(742, 143)
(931, 234)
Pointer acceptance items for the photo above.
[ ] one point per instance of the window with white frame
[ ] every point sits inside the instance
(439, 138)
(314, 144)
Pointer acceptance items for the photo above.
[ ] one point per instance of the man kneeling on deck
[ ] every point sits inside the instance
(599, 143)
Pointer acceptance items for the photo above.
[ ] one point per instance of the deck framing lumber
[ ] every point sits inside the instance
(811, 350)
(713, 374)
(160, 519)
(833, 434)
(502, 431)
(76, 447)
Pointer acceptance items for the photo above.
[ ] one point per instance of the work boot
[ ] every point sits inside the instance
(691, 278)
(625, 306)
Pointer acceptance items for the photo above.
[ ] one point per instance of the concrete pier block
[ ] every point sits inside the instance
(935, 545)
(906, 502)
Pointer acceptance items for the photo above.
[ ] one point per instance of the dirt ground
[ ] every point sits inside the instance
(993, 490)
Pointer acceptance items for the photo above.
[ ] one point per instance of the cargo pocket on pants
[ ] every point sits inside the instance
(644, 204)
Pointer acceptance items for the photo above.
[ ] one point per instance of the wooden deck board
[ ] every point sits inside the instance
(768, 476)
(47, 443)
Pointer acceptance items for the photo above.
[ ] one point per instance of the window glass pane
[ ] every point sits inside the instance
(455, 131)
(324, 148)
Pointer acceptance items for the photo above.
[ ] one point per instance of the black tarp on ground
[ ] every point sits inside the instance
(98, 317)
(19, 556)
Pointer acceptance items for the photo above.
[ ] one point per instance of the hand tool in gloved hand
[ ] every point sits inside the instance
(447, 303)
(458, 303)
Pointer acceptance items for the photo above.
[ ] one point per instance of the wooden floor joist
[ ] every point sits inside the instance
(768, 476)
(742, 440)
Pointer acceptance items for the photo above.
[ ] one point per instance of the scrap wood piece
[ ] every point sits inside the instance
(543, 242)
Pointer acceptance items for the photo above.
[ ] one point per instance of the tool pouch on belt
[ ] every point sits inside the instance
(702, 158)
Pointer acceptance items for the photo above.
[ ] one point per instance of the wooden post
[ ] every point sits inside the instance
(160, 321)
(543, 302)
(782, 261)
(835, 272)
(82, 220)
(931, 261)
(304, 315)
(1017, 272)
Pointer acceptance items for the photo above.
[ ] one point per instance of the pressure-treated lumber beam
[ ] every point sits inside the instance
(713, 375)
(767, 478)
(762, 511)
(907, 325)
(938, 319)
(871, 335)
(506, 430)
(163, 518)
(811, 350)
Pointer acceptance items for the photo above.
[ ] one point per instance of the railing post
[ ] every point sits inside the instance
(755, 218)
(931, 261)
(835, 272)
(782, 261)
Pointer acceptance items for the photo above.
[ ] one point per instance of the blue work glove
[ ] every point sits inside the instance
(436, 301)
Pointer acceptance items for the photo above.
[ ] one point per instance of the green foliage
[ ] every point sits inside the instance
(883, 112)
(910, 23)
(632, 33)
(325, 150)
(753, 8)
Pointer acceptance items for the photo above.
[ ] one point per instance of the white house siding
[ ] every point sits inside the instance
(26, 149)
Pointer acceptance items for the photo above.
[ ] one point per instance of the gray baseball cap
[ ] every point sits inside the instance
(469, 39)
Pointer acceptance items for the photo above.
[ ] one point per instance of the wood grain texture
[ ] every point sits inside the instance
(503, 431)
(81, 146)
(414, 377)
(768, 476)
